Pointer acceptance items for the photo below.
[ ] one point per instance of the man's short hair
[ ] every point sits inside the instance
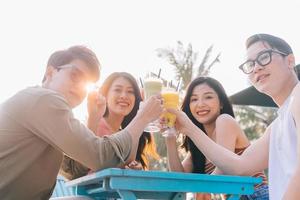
(273, 41)
(63, 57)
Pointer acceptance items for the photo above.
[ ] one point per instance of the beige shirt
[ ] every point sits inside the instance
(36, 127)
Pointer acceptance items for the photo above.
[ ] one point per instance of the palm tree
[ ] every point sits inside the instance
(185, 59)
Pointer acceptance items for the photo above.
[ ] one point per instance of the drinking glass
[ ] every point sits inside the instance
(152, 86)
(171, 100)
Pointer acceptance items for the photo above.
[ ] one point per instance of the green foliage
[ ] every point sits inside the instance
(185, 59)
(254, 120)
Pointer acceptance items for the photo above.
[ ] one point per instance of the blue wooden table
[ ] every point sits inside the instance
(135, 184)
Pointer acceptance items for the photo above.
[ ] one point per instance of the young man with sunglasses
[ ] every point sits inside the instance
(37, 126)
(270, 68)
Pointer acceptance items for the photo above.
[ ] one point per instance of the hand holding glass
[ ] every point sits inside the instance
(171, 100)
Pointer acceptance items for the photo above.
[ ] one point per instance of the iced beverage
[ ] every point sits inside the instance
(152, 86)
(171, 100)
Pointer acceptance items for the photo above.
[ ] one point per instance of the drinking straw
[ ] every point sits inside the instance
(142, 85)
(179, 84)
(158, 76)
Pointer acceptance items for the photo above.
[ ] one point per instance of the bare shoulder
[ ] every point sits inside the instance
(226, 119)
(226, 123)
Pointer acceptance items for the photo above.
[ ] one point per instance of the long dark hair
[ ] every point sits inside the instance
(198, 159)
(146, 142)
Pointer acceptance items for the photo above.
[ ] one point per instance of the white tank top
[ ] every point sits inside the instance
(282, 152)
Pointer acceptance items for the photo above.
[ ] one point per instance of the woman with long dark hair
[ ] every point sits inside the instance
(208, 107)
(123, 98)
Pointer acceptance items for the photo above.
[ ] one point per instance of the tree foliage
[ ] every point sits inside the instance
(185, 60)
(254, 120)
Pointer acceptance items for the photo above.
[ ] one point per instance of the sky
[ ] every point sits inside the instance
(126, 34)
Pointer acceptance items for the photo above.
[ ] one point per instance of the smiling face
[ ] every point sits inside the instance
(204, 104)
(69, 80)
(269, 79)
(120, 97)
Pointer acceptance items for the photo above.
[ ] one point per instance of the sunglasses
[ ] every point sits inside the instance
(76, 75)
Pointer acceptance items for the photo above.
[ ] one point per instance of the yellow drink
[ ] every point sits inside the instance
(171, 100)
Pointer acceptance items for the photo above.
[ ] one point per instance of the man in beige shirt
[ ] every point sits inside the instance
(37, 126)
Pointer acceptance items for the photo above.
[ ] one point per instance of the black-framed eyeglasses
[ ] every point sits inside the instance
(263, 58)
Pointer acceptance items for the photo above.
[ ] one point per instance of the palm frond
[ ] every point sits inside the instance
(201, 67)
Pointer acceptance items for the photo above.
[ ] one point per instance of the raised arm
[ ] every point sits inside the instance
(293, 190)
(96, 105)
(174, 161)
(254, 159)
(62, 131)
